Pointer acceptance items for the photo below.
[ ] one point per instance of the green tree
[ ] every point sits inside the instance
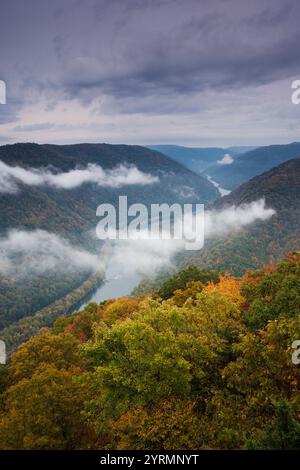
(180, 280)
(44, 412)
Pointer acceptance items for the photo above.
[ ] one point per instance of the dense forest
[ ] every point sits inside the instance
(20, 298)
(205, 362)
(23, 329)
(263, 242)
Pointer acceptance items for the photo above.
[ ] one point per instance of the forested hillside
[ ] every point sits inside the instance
(206, 363)
(73, 211)
(264, 241)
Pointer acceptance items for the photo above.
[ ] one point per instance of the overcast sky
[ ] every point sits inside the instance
(189, 72)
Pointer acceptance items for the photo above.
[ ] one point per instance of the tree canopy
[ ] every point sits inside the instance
(207, 364)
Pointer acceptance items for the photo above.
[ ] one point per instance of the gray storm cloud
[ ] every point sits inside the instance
(149, 58)
(121, 175)
(182, 44)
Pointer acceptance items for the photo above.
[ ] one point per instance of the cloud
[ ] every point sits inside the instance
(29, 253)
(226, 160)
(147, 257)
(180, 49)
(179, 46)
(221, 222)
(132, 71)
(121, 175)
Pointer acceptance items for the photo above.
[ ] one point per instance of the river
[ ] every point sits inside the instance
(222, 191)
(118, 284)
(115, 285)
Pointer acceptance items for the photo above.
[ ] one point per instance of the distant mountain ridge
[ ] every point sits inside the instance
(198, 159)
(247, 165)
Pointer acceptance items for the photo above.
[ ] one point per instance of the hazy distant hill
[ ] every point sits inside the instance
(262, 242)
(252, 163)
(198, 159)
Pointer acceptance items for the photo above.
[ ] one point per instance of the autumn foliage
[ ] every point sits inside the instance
(204, 365)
